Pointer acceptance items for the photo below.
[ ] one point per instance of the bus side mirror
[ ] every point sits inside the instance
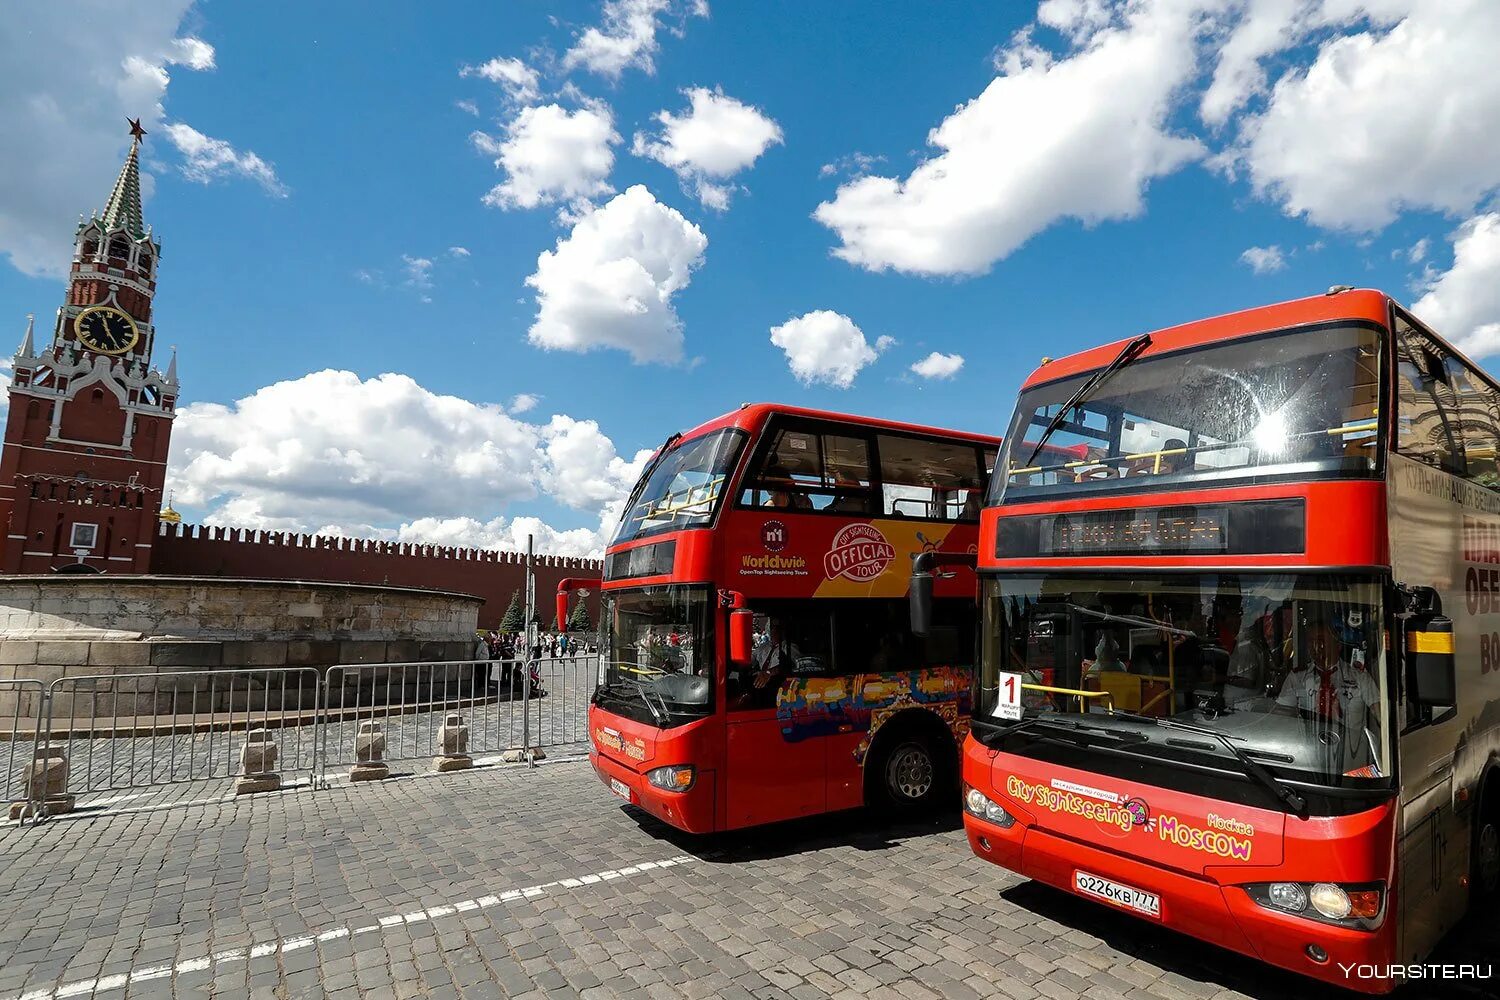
(741, 624)
(1429, 648)
(920, 599)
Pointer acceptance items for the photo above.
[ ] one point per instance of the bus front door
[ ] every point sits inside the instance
(772, 774)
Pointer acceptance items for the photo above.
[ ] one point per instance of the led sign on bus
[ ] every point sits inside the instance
(1252, 528)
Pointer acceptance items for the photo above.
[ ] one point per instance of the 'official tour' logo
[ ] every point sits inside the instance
(859, 552)
(773, 536)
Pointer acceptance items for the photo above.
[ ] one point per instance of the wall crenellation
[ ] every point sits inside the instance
(369, 546)
(216, 550)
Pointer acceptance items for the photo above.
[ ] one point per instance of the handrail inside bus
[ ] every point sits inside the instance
(1369, 425)
(1071, 692)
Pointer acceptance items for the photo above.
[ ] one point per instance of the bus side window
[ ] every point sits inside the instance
(1428, 408)
(1478, 405)
(936, 480)
(805, 470)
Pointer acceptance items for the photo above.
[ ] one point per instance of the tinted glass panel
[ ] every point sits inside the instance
(1298, 403)
(928, 479)
(804, 469)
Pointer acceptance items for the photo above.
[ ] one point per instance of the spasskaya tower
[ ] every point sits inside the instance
(85, 449)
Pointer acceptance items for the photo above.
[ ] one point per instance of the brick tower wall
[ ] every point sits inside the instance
(200, 550)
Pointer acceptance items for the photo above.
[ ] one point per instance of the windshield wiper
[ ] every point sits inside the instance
(656, 460)
(1127, 354)
(1077, 727)
(1252, 766)
(662, 717)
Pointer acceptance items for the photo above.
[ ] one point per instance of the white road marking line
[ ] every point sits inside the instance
(284, 945)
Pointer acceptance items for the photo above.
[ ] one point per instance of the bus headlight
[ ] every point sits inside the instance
(976, 804)
(673, 777)
(1330, 901)
(1347, 905)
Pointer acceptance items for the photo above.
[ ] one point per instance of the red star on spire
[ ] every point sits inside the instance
(136, 132)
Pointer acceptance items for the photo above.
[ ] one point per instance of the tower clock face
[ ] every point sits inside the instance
(106, 330)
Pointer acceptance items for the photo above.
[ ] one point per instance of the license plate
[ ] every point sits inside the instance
(1121, 895)
(620, 788)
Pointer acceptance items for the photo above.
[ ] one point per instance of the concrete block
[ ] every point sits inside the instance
(403, 651)
(312, 652)
(307, 609)
(255, 653)
(119, 654)
(62, 652)
(362, 651)
(186, 653)
(17, 651)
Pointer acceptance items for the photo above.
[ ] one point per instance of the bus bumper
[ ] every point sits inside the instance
(691, 811)
(1223, 915)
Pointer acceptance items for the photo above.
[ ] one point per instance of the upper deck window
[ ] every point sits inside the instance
(1296, 404)
(1448, 413)
(683, 487)
(804, 469)
(928, 479)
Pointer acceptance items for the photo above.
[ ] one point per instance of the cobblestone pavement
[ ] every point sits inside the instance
(509, 882)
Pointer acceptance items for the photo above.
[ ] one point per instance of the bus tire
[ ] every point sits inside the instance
(1484, 875)
(911, 769)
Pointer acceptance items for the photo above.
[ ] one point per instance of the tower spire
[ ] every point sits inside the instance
(124, 205)
(172, 367)
(27, 350)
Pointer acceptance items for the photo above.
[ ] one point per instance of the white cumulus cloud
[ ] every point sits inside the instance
(716, 138)
(550, 155)
(385, 456)
(1463, 303)
(518, 80)
(826, 347)
(611, 280)
(626, 37)
(1377, 124)
(206, 159)
(524, 402)
(937, 365)
(65, 91)
(1075, 137)
(1264, 260)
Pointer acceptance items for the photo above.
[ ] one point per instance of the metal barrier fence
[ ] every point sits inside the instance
(22, 717)
(128, 732)
(411, 702)
(559, 718)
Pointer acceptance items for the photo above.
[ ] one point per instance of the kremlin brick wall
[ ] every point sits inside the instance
(201, 550)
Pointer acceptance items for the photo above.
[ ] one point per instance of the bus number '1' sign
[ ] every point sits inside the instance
(859, 552)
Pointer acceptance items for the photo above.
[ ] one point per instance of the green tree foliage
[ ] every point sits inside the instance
(515, 616)
(578, 621)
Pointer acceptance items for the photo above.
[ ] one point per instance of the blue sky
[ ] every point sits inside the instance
(1122, 161)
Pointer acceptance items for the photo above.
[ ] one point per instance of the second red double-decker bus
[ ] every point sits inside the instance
(1240, 664)
(758, 661)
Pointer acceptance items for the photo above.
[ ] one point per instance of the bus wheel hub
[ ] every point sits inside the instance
(910, 771)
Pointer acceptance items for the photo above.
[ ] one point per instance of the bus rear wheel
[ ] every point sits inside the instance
(1486, 876)
(908, 775)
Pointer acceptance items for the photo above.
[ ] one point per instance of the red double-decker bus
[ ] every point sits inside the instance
(1240, 659)
(758, 659)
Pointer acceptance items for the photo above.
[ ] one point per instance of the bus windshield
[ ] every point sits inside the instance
(683, 488)
(1298, 403)
(1288, 667)
(658, 653)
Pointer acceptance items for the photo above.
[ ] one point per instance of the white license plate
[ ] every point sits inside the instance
(620, 788)
(1121, 895)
